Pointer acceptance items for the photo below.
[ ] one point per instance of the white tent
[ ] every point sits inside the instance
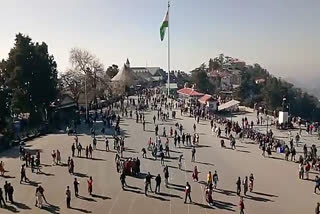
(229, 106)
(125, 75)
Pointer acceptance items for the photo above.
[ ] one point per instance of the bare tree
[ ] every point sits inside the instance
(90, 66)
(72, 81)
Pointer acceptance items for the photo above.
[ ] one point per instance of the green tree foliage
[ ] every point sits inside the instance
(200, 78)
(32, 76)
(270, 94)
(4, 103)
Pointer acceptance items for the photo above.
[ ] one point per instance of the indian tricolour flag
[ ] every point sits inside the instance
(164, 26)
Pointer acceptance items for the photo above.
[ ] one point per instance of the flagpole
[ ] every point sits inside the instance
(168, 50)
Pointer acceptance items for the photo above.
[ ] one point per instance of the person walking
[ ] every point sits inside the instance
(241, 205)
(238, 183)
(187, 193)
(317, 186)
(107, 145)
(94, 143)
(2, 202)
(38, 195)
(251, 179)
(10, 193)
(301, 171)
(215, 179)
(144, 153)
(193, 154)
(90, 151)
(245, 185)
(68, 197)
(87, 152)
(76, 187)
(166, 175)
(147, 184)
(58, 157)
(23, 174)
(180, 161)
(158, 182)
(41, 190)
(6, 188)
(162, 158)
(79, 149)
(123, 180)
(144, 125)
(54, 156)
(73, 148)
(90, 184)
(209, 179)
(195, 174)
(317, 209)
(167, 150)
(307, 169)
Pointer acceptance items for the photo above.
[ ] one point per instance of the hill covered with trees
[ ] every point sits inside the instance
(258, 87)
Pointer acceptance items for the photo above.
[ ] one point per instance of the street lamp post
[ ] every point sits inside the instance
(267, 123)
(85, 92)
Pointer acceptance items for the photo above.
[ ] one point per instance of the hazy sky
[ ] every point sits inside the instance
(281, 35)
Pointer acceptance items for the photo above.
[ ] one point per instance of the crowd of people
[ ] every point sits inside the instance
(160, 147)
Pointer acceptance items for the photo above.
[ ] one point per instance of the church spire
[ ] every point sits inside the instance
(128, 63)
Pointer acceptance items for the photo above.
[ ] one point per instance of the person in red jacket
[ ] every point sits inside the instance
(241, 205)
(90, 184)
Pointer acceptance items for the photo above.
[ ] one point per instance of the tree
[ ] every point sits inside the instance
(200, 78)
(271, 93)
(112, 70)
(84, 62)
(73, 82)
(211, 64)
(5, 115)
(32, 76)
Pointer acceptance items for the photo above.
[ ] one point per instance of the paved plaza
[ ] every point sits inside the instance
(277, 188)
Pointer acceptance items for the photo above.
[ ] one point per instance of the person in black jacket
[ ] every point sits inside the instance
(6, 188)
(147, 183)
(1, 199)
(10, 193)
(158, 182)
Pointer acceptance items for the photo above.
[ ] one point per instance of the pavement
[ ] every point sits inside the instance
(277, 188)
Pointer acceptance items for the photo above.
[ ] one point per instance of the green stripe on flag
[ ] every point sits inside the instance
(163, 28)
(164, 25)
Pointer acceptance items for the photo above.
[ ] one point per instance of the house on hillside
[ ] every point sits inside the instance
(260, 81)
(225, 83)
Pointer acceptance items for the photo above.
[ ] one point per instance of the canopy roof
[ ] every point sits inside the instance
(228, 105)
(206, 98)
(189, 92)
(125, 75)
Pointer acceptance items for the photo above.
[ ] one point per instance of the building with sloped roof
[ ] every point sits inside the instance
(154, 74)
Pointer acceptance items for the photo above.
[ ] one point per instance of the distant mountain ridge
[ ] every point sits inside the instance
(310, 86)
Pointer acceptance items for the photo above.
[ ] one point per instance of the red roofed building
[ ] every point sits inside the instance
(189, 96)
(209, 102)
(189, 92)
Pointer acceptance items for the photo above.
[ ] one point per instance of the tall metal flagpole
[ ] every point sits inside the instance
(168, 49)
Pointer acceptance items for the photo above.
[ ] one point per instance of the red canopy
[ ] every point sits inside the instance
(189, 92)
